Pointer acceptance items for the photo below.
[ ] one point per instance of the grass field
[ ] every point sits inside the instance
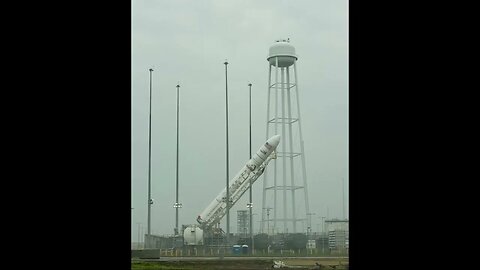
(264, 263)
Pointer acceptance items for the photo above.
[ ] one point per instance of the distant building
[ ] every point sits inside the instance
(243, 222)
(337, 234)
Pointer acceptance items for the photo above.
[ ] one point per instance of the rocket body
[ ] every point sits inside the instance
(239, 184)
(262, 154)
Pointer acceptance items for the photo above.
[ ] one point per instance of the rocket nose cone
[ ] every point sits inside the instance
(274, 141)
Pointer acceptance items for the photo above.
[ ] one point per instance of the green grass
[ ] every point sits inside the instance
(154, 266)
(201, 265)
(228, 264)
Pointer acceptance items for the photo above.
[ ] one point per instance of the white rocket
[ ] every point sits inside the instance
(239, 184)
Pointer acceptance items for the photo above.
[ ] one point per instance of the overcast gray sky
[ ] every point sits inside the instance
(186, 42)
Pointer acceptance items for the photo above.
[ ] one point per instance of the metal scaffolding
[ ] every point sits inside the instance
(285, 180)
